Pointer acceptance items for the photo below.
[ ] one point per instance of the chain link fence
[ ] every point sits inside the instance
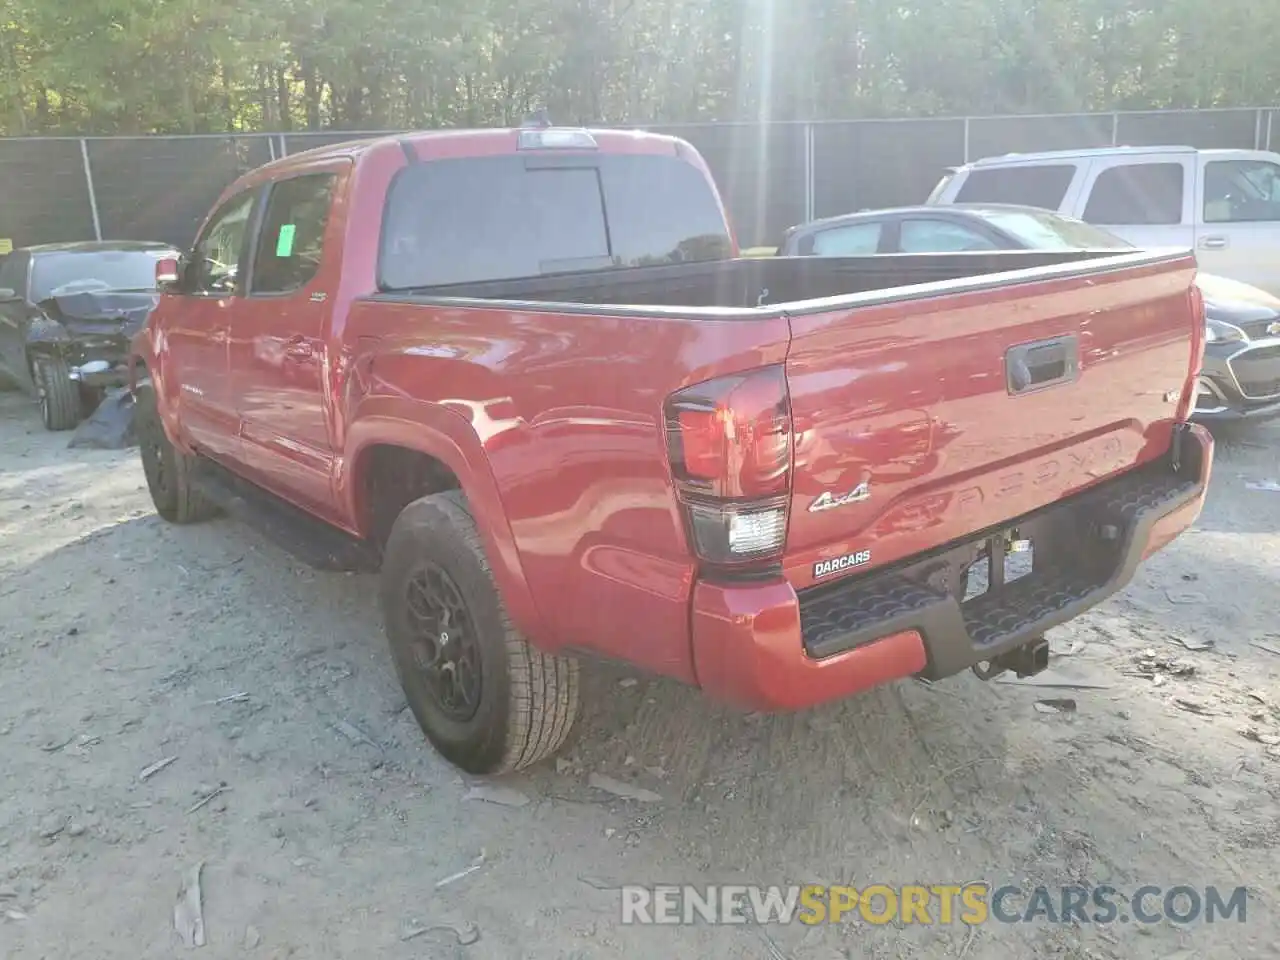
(772, 175)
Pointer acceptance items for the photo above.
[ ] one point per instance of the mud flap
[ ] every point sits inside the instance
(111, 426)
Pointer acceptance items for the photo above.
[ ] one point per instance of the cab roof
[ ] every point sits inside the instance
(1079, 154)
(607, 140)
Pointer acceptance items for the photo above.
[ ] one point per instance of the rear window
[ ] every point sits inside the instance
(1043, 185)
(59, 274)
(496, 218)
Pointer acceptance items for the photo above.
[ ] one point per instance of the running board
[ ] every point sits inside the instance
(312, 541)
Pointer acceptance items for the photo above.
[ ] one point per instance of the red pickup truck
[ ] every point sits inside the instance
(525, 374)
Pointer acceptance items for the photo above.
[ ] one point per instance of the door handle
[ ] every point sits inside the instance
(298, 349)
(1213, 243)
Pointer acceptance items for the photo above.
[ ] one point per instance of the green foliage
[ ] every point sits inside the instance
(161, 66)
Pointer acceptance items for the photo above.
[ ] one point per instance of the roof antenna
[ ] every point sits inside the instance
(540, 119)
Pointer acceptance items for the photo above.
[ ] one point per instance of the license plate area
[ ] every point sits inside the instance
(1004, 558)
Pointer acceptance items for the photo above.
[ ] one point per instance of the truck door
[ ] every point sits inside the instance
(1146, 199)
(197, 323)
(1237, 209)
(279, 360)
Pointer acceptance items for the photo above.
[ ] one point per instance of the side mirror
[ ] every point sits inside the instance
(8, 293)
(167, 274)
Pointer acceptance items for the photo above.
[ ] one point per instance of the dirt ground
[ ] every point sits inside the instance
(119, 634)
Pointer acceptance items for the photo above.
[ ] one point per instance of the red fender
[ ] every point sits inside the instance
(440, 433)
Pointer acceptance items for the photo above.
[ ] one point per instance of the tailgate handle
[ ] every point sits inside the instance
(1045, 363)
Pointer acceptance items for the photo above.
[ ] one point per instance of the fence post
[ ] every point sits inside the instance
(284, 146)
(88, 182)
(1257, 131)
(1271, 117)
(966, 139)
(1115, 129)
(810, 172)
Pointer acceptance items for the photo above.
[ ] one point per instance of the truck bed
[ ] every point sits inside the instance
(771, 286)
(909, 434)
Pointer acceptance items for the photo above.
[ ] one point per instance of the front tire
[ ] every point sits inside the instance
(486, 700)
(59, 395)
(168, 469)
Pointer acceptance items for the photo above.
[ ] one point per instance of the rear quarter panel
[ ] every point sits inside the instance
(566, 413)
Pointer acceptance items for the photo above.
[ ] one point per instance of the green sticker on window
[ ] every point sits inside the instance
(284, 243)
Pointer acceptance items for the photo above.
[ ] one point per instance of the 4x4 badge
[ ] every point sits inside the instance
(829, 501)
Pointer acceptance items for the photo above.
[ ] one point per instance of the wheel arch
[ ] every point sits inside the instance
(447, 454)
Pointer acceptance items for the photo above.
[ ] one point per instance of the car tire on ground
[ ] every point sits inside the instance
(59, 395)
(168, 469)
(486, 699)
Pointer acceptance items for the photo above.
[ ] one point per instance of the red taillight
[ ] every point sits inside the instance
(729, 442)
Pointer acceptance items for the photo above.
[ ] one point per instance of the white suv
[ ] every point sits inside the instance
(1223, 203)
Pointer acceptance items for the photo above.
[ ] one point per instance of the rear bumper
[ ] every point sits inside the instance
(764, 647)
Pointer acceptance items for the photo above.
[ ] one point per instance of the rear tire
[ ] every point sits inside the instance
(58, 394)
(168, 469)
(486, 700)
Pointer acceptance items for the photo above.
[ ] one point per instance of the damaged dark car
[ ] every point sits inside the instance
(67, 314)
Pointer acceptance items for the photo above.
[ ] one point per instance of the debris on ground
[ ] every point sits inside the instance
(597, 884)
(1257, 736)
(1075, 649)
(355, 734)
(188, 911)
(626, 791)
(155, 768)
(1149, 663)
(502, 796)
(1056, 705)
(51, 826)
(1192, 706)
(466, 934)
(476, 864)
(251, 937)
(1265, 486)
(111, 425)
(1265, 646)
(53, 746)
(628, 682)
(1192, 643)
(230, 698)
(1185, 596)
(209, 797)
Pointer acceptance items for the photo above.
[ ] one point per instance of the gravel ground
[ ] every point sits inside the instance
(120, 636)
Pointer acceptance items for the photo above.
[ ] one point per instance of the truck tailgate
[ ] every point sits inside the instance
(924, 416)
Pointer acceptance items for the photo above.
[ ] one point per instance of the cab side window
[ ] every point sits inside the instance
(1241, 191)
(292, 238)
(215, 259)
(1137, 194)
